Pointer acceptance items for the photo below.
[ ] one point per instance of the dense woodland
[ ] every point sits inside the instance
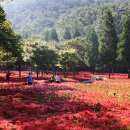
(37, 18)
(67, 35)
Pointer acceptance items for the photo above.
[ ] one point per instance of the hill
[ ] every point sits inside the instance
(33, 18)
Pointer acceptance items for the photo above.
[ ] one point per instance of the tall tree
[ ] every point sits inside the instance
(76, 33)
(123, 47)
(8, 39)
(108, 41)
(53, 36)
(2, 15)
(39, 54)
(46, 36)
(82, 49)
(68, 60)
(92, 39)
(44, 57)
(67, 34)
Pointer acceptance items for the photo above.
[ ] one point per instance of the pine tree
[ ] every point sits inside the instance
(53, 36)
(108, 41)
(2, 15)
(76, 33)
(67, 34)
(8, 39)
(123, 47)
(46, 36)
(92, 39)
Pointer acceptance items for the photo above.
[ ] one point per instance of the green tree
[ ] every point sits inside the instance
(76, 33)
(44, 58)
(108, 41)
(92, 39)
(68, 60)
(53, 36)
(6, 58)
(9, 41)
(85, 51)
(2, 15)
(39, 54)
(123, 47)
(46, 36)
(67, 34)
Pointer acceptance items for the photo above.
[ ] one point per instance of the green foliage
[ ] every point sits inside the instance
(123, 48)
(51, 35)
(6, 58)
(9, 47)
(93, 55)
(84, 50)
(2, 15)
(76, 33)
(44, 57)
(80, 45)
(68, 59)
(108, 40)
(37, 16)
(67, 34)
(39, 54)
(80, 23)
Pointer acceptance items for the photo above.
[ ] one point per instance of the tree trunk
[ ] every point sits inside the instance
(19, 69)
(65, 73)
(112, 71)
(74, 73)
(109, 72)
(19, 73)
(37, 73)
(128, 73)
(42, 72)
(47, 72)
(93, 70)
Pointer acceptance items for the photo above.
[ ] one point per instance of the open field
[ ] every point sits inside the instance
(70, 105)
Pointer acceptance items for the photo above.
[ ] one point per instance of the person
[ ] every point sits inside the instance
(29, 79)
(57, 78)
(7, 76)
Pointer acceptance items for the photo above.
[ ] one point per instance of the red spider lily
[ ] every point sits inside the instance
(68, 105)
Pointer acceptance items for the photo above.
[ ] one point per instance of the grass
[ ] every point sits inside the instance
(118, 89)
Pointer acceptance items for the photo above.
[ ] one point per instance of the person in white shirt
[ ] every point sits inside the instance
(57, 79)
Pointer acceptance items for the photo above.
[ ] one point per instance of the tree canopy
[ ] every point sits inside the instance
(33, 18)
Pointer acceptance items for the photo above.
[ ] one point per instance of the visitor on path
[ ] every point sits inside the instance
(57, 78)
(52, 78)
(29, 79)
(7, 76)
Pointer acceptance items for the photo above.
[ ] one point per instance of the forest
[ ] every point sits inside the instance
(75, 29)
(38, 17)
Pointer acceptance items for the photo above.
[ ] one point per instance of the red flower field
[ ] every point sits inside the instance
(70, 105)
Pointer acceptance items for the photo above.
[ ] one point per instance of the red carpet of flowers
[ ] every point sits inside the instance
(70, 105)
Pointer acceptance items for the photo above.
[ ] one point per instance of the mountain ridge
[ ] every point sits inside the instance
(33, 18)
